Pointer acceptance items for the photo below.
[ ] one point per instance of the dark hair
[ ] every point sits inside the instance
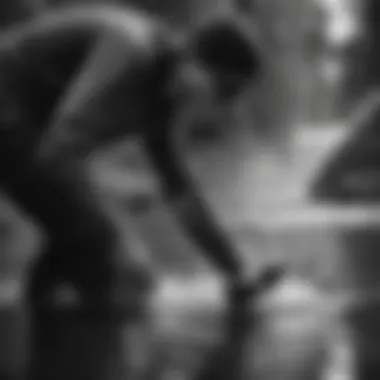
(227, 48)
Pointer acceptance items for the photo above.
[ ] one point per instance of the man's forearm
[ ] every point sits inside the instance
(190, 209)
(195, 217)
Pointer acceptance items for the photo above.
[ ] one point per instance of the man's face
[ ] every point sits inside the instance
(202, 115)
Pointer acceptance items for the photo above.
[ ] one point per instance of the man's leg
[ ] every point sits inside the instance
(85, 292)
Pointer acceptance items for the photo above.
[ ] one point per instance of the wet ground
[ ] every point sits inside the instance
(293, 342)
(296, 336)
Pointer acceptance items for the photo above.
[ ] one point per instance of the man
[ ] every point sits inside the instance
(76, 79)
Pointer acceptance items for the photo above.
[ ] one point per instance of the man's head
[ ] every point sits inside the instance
(221, 61)
(226, 50)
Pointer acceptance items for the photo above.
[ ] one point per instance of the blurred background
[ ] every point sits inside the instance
(320, 64)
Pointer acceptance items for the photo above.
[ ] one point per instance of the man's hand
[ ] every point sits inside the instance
(266, 279)
(243, 296)
(229, 360)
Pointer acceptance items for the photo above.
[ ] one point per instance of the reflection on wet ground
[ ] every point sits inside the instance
(296, 333)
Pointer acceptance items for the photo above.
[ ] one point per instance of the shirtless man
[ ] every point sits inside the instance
(76, 79)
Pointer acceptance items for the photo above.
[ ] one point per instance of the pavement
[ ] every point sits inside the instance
(190, 317)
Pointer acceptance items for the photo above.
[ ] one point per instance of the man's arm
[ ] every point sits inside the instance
(92, 63)
(189, 206)
(86, 116)
(225, 49)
